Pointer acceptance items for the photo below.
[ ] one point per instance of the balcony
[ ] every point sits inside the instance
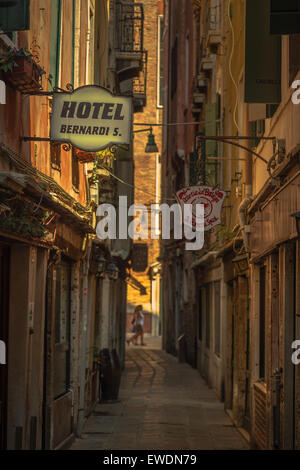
(139, 87)
(130, 36)
(213, 26)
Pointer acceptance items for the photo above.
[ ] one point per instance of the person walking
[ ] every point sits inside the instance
(139, 324)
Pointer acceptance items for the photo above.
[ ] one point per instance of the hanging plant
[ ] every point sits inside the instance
(20, 70)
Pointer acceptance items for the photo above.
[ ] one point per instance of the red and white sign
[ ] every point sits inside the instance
(212, 200)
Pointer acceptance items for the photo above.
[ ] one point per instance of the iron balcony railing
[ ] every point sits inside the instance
(213, 17)
(140, 82)
(130, 27)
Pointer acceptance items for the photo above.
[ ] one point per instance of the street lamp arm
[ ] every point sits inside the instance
(226, 141)
(143, 130)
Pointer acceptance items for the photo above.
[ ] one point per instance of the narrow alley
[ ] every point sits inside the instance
(158, 410)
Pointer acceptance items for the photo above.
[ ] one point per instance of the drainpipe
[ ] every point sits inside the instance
(84, 340)
(248, 189)
(242, 219)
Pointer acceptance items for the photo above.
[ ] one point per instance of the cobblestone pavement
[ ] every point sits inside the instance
(164, 405)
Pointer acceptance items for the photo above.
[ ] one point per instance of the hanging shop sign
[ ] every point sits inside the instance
(139, 257)
(91, 118)
(211, 198)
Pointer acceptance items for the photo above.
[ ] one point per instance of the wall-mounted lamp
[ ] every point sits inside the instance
(112, 271)
(151, 146)
(297, 219)
(100, 265)
(241, 263)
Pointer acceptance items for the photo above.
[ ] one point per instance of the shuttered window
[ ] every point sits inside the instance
(15, 18)
(55, 43)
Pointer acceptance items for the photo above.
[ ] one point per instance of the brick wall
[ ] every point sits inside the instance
(145, 164)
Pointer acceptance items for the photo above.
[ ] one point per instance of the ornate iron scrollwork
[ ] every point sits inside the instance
(69, 89)
(67, 147)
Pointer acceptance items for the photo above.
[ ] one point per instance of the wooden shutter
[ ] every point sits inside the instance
(55, 42)
(15, 18)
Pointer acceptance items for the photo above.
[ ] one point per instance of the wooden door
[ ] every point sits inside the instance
(4, 299)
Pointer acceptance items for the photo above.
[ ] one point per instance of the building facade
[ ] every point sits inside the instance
(236, 298)
(63, 291)
(147, 172)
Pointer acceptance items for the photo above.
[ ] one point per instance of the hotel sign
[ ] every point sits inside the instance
(90, 118)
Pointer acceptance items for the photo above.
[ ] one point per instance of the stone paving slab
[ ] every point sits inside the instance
(164, 405)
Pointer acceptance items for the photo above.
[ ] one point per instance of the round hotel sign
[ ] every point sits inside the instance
(91, 118)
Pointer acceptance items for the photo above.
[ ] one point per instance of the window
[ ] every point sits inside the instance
(15, 17)
(55, 155)
(262, 321)
(55, 43)
(257, 130)
(207, 316)
(62, 329)
(75, 172)
(217, 328)
(160, 62)
(212, 114)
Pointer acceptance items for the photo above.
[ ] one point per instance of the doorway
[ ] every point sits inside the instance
(4, 304)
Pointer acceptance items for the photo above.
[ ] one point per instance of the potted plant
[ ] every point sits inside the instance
(84, 157)
(20, 70)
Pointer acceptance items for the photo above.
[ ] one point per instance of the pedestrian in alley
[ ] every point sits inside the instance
(139, 324)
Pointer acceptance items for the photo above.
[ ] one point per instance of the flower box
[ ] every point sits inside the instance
(25, 75)
(84, 157)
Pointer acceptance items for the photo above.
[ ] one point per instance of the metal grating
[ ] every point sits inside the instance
(260, 415)
(140, 82)
(130, 24)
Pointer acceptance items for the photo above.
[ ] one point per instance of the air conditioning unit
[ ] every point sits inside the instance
(198, 98)
(201, 80)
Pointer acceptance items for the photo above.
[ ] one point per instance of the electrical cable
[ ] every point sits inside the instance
(230, 68)
(132, 186)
